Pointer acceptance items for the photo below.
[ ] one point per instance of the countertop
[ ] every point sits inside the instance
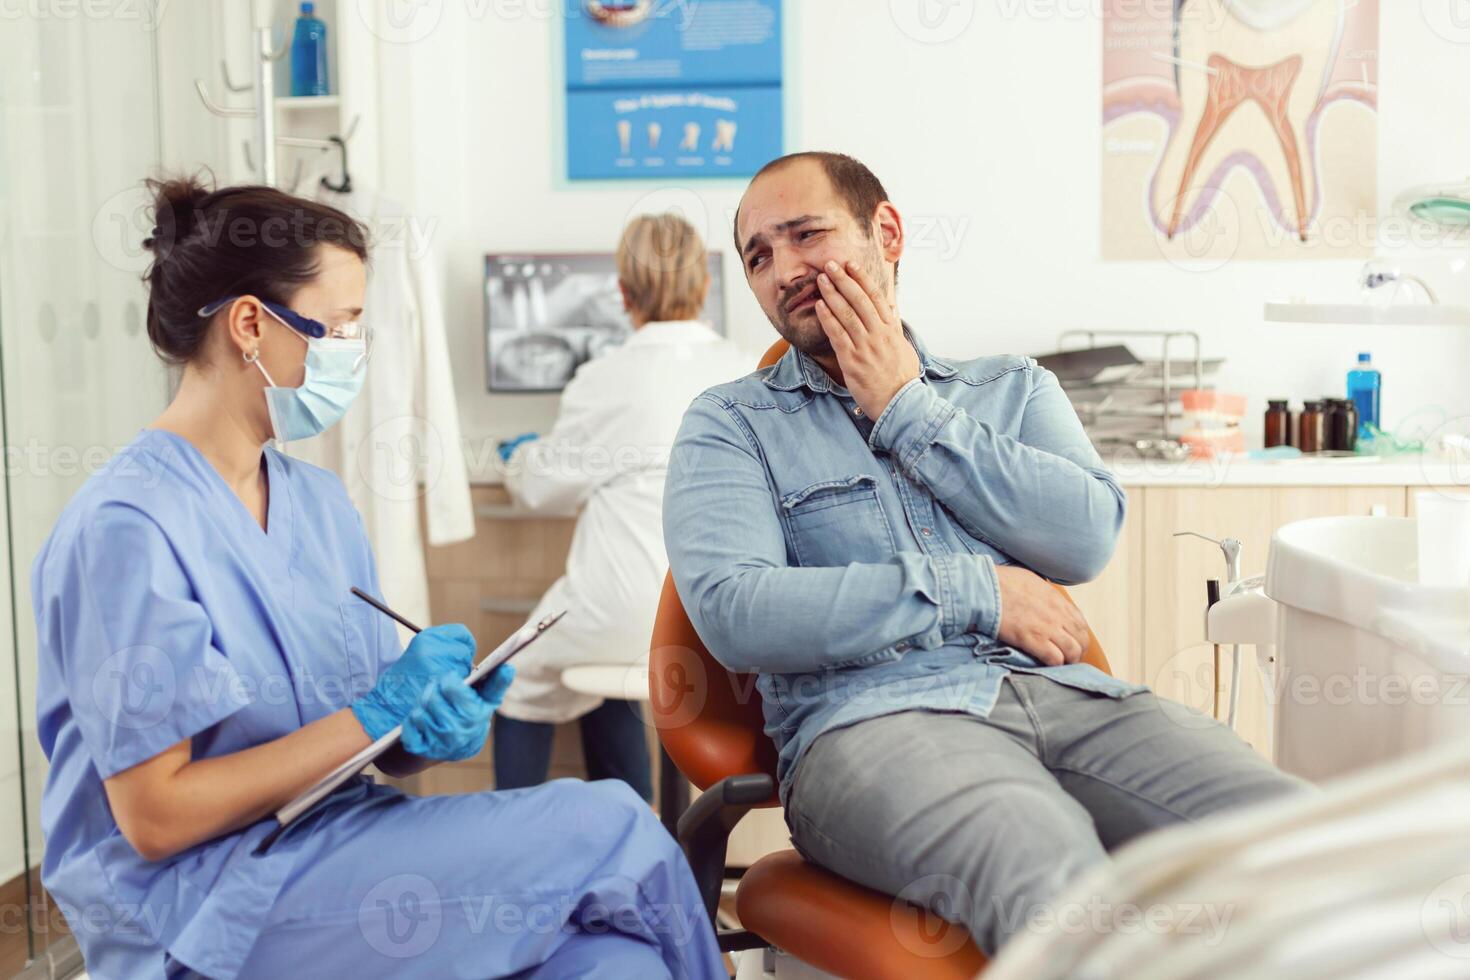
(1404, 470)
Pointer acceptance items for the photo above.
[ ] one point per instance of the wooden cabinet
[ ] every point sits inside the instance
(1153, 596)
(1177, 662)
(1113, 602)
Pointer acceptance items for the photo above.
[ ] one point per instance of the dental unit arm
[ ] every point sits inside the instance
(1243, 616)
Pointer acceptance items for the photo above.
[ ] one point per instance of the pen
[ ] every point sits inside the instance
(383, 609)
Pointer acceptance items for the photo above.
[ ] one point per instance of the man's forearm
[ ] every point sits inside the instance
(730, 561)
(1053, 514)
(791, 620)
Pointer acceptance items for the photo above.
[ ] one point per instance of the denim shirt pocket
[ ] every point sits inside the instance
(837, 522)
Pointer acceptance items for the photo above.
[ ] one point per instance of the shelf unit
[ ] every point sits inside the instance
(1360, 314)
(300, 127)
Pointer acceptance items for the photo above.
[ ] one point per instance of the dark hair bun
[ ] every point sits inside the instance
(177, 203)
(209, 245)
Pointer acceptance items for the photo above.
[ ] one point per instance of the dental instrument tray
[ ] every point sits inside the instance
(1090, 365)
(324, 787)
(1125, 400)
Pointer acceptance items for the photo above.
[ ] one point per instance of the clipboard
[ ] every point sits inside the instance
(338, 777)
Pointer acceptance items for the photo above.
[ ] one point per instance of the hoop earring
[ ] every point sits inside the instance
(252, 357)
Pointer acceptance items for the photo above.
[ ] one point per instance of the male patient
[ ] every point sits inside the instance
(874, 530)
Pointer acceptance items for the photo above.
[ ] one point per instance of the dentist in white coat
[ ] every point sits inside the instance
(607, 455)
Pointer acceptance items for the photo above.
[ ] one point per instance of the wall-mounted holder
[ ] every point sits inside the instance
(263, 112)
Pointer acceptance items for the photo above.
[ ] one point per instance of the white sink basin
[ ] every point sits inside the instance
(1371, 664)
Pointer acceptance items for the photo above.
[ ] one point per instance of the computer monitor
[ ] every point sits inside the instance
(546, 314)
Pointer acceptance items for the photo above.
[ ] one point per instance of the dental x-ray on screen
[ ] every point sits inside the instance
(547, 314)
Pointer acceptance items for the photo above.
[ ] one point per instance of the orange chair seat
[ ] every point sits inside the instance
(848, 930)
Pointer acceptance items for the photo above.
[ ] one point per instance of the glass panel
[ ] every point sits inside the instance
(78, 130)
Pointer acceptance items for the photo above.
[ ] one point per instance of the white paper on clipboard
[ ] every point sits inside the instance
(517, 642)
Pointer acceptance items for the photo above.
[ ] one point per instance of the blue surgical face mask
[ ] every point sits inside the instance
(335, 371)
(336, 366)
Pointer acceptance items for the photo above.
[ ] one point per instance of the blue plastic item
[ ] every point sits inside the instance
(452, 719)
(1276, 452)
(508, 448)
(309, 54)
(447, 649)
(1365, 388)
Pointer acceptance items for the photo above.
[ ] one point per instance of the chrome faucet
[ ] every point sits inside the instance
(1229, 546)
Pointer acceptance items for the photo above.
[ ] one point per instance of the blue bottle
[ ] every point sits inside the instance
(309, 54)
(1365, 387)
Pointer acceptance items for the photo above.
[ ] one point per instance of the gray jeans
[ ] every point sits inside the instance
(984, 820)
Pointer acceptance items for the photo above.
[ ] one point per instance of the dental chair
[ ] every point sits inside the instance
(711, 724)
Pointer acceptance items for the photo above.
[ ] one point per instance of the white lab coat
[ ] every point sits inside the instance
(399, 443)
(608, 453)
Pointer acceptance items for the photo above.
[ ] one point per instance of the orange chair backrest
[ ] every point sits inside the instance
(774, 353)
(709, 719)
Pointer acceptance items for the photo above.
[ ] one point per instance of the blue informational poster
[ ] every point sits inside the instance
(660, 88)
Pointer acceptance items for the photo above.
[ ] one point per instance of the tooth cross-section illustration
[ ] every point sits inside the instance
(1239, 129)
(1250, 74)
(1232, 85)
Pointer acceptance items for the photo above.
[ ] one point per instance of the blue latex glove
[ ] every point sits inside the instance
(508, 448)
(452, 719)
(492, 689)
(448, 649)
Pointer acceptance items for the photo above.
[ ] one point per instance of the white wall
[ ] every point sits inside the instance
(992, 136)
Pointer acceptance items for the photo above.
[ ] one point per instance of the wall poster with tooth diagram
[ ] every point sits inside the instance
(1239, 129)
(663, 88)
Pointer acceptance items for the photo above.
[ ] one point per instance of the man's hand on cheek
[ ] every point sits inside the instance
(866, 335)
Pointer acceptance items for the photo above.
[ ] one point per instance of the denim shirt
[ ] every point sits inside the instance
(850, 562)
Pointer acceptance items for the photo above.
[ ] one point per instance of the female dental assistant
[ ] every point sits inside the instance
(202, 662)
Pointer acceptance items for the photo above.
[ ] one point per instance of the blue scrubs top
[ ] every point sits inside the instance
(164, 613)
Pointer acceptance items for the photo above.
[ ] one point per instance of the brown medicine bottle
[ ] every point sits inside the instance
(1278, 424)
(1342, 425)
(1313, 428)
